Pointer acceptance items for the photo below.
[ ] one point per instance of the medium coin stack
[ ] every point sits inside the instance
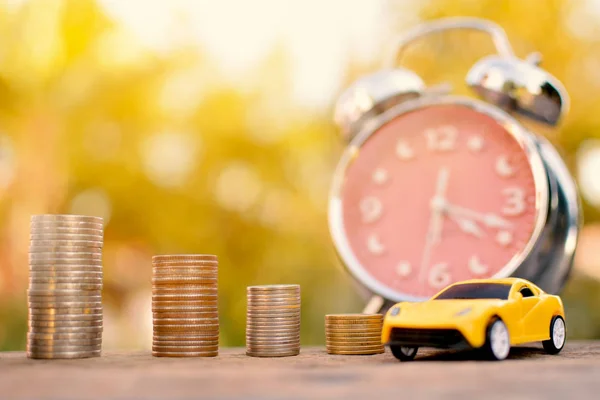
(184, 305)
(273, 321)
(65, 287)
(354, 334)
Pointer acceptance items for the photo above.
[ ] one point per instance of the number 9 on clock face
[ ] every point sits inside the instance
(440, 191)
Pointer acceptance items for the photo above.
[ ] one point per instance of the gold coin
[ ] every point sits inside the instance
(284, 287)
(185, 354)
(205, 342)
(353, 347)
(185, 337)
(184, 321)
(353, 338)
(337, 325)
(186, 328)
(353, 317)
(184, 266)
(177, 257)
(356, 352)
(182, 347)
(186, 289)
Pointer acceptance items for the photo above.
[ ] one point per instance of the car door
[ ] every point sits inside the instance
(530, 312)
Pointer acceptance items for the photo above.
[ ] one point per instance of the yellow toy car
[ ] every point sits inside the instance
(487, 314)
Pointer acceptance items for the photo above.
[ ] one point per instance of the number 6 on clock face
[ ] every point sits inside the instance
(463, 191)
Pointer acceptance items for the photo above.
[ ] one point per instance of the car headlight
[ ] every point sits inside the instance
(463, 312)
(395, 311)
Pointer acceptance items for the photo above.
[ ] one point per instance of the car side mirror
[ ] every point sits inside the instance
(518, 296)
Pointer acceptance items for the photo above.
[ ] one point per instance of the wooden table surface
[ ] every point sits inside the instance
(528, 374)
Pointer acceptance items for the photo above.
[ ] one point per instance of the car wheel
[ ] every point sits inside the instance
(558, 332)
(497, 344)
(404, 353)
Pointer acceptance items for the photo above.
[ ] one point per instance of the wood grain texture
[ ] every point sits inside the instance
(528, 374)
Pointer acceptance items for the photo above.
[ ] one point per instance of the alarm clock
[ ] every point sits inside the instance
(435, 188)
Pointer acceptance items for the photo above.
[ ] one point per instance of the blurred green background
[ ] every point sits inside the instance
(205, 127)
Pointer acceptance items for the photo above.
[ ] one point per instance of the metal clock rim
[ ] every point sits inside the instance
(335, 208)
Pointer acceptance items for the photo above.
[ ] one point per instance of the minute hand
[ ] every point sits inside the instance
(490, 220)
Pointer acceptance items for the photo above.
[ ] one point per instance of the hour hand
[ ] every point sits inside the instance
(468, 226)
(488, 219)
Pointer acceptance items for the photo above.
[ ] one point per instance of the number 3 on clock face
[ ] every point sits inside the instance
(435, 195)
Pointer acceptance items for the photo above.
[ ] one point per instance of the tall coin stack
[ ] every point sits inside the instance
(273, 321)
(354, 334)
(65, 287)
(184, 305)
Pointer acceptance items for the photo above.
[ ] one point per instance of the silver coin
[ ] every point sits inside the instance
(60, 293)
(252, 326)
(82, 287)
(180, 304)
(56, 257)
(64, 304)
(172, 280)
(64, 229)
(64, 342)
(82, 295)
(52, 348)
(60, 236)
(36, 323)
(185, 297)
(69, 329)
(65, 317)
(67, 311)
(64, 243)
(65, 276)
(272, 354)
(272, 348)
(250, 314)
(185, 266)
(250, 336)
(46, 281)
(273, 299)
(64, 355)
(67, 217)
(63, 335)
(67, 262)
(62, 225)
(51, 252)
(272, 342)
(214, 340)
(170, 315)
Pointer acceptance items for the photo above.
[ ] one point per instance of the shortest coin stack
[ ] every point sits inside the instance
(184, 306)
(273, 321)
(354, 334)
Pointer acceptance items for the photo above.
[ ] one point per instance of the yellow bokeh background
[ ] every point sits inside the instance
(206, 127)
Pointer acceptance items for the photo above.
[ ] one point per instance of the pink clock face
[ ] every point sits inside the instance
(435, 196)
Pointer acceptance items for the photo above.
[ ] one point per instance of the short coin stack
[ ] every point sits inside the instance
(354, 334)
(273, 321)
(184, 305)
(65, 287)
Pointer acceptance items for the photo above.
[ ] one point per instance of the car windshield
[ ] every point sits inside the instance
(476, 291)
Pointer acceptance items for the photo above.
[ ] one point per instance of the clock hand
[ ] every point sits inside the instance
(435, 222)
(488, 219)
(467, 225)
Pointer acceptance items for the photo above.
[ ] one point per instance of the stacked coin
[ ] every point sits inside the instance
(65, 287)
(354, 333)
(184, 305)
(273, 321)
